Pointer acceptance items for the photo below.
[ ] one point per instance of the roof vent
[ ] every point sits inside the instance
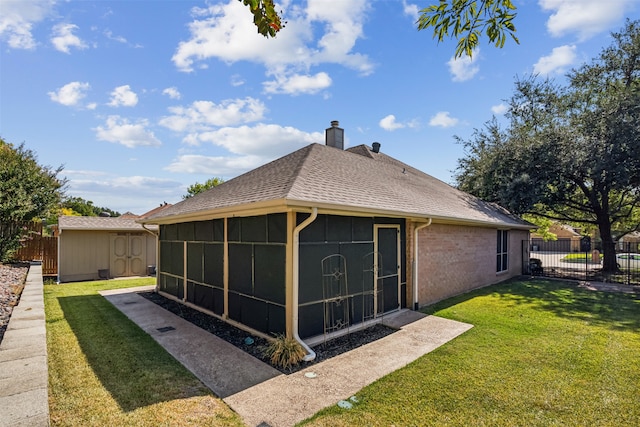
(375, 147)
(334, 136)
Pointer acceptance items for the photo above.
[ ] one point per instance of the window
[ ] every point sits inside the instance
(502, 252)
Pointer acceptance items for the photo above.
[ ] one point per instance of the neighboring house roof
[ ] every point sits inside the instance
(154, 211)
(99, 223)
(352, 180)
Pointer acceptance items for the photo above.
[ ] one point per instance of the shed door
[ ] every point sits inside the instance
(387, 244)
(128, 254)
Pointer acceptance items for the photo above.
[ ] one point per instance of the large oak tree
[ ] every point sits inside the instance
(570, 153)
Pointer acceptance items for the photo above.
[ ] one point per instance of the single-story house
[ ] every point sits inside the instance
(91, 248)
(326, 240)
(568, 240)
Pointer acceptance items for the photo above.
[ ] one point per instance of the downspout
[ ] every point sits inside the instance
(296, 282)
(416, 304)
(157, 236)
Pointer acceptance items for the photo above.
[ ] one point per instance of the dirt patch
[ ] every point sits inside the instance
(255, 345)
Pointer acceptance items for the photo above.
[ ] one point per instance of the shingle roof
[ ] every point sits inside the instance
(354, 179)
(99, 223)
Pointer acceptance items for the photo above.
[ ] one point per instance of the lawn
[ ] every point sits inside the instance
(105, 371)
(541, 353)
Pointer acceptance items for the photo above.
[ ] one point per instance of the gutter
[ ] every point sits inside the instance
(296, 282)
(416, 305)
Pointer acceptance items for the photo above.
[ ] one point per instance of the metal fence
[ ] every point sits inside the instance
(555, 259)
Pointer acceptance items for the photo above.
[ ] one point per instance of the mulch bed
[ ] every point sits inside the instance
(257, 345)
(12, 278)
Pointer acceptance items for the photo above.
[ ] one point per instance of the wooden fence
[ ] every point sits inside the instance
(36, 247)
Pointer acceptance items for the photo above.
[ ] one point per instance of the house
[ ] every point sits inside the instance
(629, 242)
(325, 240)
(92, 247)
(568, 240)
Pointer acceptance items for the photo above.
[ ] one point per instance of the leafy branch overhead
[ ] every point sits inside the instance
(265, 17)
(466, 20)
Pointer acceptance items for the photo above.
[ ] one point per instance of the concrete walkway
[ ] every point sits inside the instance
(262, 395)
(23, 359)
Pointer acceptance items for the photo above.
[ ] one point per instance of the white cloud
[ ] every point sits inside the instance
(411, 10)
(499, 109)
(70, 94)
(222, 31)
(118, 130)
(557, 62)
(584, 17)
(63, 38)
(123, 96)
(298, 84)
(137, 194)
(203, 115)
(464, 67)
(250, 147)
(236, 80)
(172, 92)
(443, 119)
(18, 18)
(389, 123)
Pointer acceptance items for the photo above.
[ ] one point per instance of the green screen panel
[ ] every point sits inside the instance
(277, 319)
(311, 255)
(194, 261)
(218, 230)
(362, 229)
(354, 254)
(218, 301)
(390, 290)
(253, 229)
(169, 232)
(186, 231)
(171, 258)
(235, 309)
(339, 228)
(254, 313)
(233, 232)
(269, 275)
(311, 320)
(314, 232)
(240, 268)
(203, 231)
(277, 228)
(214, 264)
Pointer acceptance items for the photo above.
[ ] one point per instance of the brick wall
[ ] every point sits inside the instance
(455, 259)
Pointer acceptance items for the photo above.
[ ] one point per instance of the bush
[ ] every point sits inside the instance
(284, 352)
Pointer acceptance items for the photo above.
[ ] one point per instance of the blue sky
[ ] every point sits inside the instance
(140, 99)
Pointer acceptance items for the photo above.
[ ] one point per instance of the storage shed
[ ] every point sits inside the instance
(91, 248)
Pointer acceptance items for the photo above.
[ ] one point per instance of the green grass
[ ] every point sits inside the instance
(105, 371)
(541, 353)
(580, 257)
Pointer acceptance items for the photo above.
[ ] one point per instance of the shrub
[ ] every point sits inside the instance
(284, 352)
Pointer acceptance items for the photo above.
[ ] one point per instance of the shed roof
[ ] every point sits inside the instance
(352, 180)
(99, 223)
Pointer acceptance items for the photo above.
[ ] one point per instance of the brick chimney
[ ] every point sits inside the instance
(334, 136)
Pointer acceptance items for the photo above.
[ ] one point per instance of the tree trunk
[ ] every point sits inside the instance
(609, 264)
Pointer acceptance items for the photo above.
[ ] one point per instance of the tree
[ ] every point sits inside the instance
(28, 191)
(570, 153)
(265, 17)
(465, 19)
(86, 207)
(199, 188)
